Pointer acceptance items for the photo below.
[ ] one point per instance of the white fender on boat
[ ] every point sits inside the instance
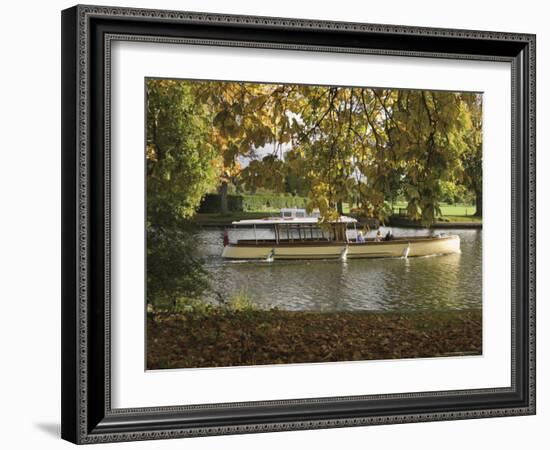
(270, 255)
(344, 254)
(406, 250)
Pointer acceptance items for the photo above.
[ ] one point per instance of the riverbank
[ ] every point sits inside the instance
(446, 222)
(215, 220)
(223, 338)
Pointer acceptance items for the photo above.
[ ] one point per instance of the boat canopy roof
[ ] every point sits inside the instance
(290, 221)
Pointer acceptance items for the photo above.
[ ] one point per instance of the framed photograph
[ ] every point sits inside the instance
(281, 224)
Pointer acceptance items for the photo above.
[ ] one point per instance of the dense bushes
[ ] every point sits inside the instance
(173, 268)
(212, 203)
(236, 203)
(266, 202)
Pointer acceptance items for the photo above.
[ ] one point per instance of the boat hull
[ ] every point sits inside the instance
(330, 250)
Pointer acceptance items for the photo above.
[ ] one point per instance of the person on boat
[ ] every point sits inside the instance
(378, 236)
(389, 236)
(360, 237)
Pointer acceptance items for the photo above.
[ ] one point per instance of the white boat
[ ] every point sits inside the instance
(295, 235)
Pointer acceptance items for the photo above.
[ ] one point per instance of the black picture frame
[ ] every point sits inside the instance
(87, 416)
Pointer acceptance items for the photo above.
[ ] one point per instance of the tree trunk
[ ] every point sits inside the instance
(224, 206)
(340, 208)
(479, 204)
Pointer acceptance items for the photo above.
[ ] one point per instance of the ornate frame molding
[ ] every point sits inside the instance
(85, 422)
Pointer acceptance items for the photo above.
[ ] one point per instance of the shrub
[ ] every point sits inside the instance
(212, 203)
(272, 202)
(260, 202)
(242, 301)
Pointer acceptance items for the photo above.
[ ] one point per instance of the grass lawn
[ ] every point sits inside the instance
(457, 210)
(450, 213)
(239, 338)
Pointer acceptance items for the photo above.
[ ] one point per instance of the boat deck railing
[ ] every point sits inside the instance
(305, 242)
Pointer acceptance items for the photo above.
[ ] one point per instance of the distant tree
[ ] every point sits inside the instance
(454, 192)
(296, 185)
(473, 157)
(429, 135)
(269, 173)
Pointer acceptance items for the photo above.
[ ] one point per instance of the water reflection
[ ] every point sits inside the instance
(391, 284)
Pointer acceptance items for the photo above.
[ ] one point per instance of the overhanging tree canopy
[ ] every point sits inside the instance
(349, 143)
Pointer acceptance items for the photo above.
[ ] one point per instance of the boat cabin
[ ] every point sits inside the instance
(294, 225)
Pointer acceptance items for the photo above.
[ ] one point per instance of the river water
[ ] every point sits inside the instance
(386, 284)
